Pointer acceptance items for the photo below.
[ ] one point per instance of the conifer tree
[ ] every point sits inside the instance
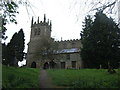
(14, 49)
(20, 45)
(101, 43)
(11, 50)
(85, 38)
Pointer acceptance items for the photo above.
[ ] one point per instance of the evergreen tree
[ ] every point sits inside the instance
(101, 43)
(20, 45)
(13, 52)
(85, 40)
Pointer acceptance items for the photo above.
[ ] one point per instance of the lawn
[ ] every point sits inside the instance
(85, 78)
(20, 77)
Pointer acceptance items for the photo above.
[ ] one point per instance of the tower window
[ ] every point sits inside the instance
(39, 32)
(35, 32)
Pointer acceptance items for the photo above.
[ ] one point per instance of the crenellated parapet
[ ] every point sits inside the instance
(41, 29)
(73, 43)
(71, 40)
(41, 23)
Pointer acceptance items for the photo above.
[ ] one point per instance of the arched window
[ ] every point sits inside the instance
(46, 66)
(35, 32)
(39, 32)
(33, 65)
(52, 64)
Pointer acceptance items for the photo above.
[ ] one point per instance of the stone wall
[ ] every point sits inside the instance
(67, 44)
(68, 61)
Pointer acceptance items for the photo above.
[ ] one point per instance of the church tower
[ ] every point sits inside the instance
(39, 31)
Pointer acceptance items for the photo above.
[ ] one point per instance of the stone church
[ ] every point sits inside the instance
(66, 55)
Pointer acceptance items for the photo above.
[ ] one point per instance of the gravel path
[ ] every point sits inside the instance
(45, 81)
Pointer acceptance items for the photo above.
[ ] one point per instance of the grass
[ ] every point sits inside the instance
(20, 77)
(85, 78)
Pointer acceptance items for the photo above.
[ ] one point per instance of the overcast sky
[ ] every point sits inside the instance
(66, 15)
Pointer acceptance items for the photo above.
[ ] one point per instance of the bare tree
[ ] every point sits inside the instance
(89, 7)
(47, 48)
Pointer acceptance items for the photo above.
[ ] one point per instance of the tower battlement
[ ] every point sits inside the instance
(41, 29)
(41, 23)
(71, 40)
(67, 44)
